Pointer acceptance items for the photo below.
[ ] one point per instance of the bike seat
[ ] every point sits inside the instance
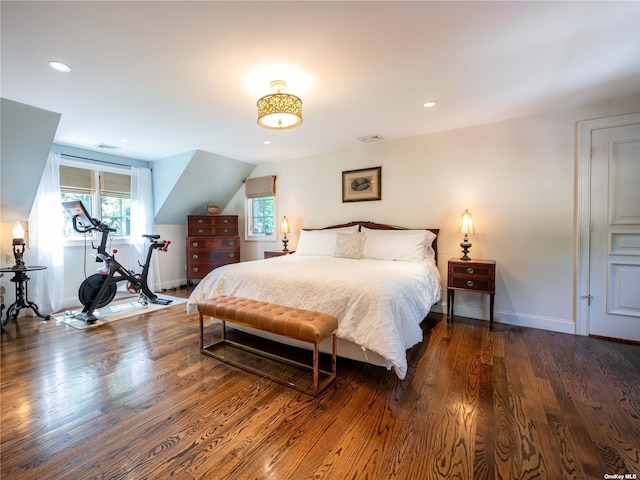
(152, 237)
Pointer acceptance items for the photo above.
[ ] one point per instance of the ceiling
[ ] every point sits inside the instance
(172, 77)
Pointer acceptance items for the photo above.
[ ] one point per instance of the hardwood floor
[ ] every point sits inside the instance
(135, 399)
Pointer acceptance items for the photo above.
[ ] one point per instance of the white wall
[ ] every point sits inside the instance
(517, 177)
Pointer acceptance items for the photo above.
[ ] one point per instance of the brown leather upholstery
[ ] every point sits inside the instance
(286, 321)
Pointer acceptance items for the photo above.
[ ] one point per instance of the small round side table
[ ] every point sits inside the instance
(21, 280)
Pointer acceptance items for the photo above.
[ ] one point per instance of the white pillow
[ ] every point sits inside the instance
(349, 245)
(401, 245)
(320, 242)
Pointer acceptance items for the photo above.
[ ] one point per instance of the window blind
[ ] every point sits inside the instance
(258, 187)
(115, 185)
(76, 180)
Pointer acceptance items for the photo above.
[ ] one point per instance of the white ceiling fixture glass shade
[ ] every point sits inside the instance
(279, 111)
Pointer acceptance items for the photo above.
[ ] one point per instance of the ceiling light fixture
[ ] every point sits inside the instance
(59, 66)
(430, 103)
(279, 111)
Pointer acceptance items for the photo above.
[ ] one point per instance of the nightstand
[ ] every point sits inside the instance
(471, 276)
(276, 253)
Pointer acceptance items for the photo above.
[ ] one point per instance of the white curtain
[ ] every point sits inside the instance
(46, 241)
(142, 220)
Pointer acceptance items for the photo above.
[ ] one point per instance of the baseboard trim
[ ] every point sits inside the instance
(552, 324)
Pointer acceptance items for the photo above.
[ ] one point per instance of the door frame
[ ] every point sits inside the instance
(583, 211)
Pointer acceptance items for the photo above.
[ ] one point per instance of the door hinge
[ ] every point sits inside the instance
(588, 297)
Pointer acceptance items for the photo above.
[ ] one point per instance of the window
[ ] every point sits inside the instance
(110, 202)
(261, 214)
(260, 208)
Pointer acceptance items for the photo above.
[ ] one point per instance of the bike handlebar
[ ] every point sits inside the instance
(95, 225)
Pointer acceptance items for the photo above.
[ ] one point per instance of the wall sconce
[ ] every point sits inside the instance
(466, 226)
(284, 228)
(18, 245)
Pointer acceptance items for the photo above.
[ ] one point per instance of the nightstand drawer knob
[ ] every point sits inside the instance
(469, 283)
(195, 269)
(195, 244)
(470, 271)
(200, 220)
(194, 256)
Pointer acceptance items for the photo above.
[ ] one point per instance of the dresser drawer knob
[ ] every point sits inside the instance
(195, 244)
(199, 220)
(226, 230)
(195, 269)
(231, 255)
(194, 256)
(469, 283)
(225, 221)
(200, 231)
(470, 271)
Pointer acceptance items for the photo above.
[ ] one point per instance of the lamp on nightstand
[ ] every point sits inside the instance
(284, 228)
(466, 226)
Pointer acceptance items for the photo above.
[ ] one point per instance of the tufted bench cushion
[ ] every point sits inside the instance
(294, 323)
(269, 317)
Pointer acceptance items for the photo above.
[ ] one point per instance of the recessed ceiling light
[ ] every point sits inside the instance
(430, 103)
(124, 140)
(60, 67)
(267, 142)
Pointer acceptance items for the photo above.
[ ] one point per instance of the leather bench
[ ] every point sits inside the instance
(294, 323)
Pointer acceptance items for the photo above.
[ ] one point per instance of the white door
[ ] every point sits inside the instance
(614, 247)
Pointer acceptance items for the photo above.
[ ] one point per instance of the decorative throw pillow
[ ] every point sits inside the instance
(349, 245)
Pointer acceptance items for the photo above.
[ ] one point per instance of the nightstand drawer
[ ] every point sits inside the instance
(471, 283)
(473, 269)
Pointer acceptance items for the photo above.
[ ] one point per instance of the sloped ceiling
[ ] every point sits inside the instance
(185, 184)
(27, 135)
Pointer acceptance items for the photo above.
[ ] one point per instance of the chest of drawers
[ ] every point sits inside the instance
(212, 241)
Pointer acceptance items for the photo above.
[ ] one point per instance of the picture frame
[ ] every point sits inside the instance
(362, 185)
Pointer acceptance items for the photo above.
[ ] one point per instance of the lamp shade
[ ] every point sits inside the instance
(284, 225)
(279, 111)
(466, 223)
(18, 234)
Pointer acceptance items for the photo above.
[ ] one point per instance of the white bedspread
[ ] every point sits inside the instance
(379, 304)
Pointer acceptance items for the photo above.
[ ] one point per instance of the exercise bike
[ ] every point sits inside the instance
(99, 289)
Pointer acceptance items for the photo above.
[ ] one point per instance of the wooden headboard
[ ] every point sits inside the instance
(383, 226)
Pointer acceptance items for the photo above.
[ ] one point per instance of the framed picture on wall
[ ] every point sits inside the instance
(362, 185)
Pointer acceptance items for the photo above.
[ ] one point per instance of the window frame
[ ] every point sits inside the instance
(260, 237)
(96, 202)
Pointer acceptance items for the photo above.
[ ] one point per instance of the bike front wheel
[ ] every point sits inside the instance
(90, 288)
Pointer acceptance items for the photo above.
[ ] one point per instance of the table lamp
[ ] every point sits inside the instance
(18, 245)
(284, 228)
(466, 226)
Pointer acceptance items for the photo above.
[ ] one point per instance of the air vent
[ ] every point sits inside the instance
(106, 146)
(371, 138)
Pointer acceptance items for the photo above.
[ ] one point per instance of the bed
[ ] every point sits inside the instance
(379, 280)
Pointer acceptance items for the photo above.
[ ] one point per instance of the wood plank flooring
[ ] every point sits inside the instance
(135, 399)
